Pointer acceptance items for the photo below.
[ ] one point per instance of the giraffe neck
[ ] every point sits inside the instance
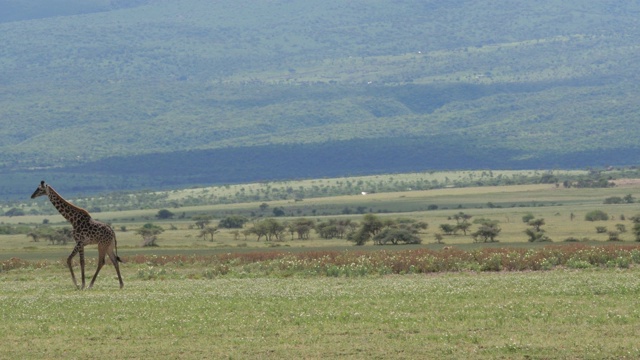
(72, 213)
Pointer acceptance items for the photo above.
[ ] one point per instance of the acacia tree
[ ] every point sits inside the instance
(388, 231)
(372, 224)
(209, 230)
(487, 232)
(202, 220)
(233, 222)
(271, 229)
(448, 229)
(396, 236)
(336, 228)
(636, 227)
(536, 233)
(302, 227)
(149, 233)
(164, 214)
(359, 237)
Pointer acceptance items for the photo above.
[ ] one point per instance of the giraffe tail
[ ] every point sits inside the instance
(116, 246)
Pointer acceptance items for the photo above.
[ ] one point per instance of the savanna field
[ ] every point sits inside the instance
(230, 296)
(278, 176)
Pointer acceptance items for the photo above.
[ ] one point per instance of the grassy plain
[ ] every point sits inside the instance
(561, 314)
(506, 204)
(186, 310)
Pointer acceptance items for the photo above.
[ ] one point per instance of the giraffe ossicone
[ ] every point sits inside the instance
(86, 231)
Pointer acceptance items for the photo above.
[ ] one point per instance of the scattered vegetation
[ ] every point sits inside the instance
(596, 215)
(381, 262)
(149, 233)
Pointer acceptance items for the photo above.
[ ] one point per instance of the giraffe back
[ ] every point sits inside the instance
(94, 232)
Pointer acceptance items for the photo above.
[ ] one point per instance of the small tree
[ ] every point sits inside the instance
(536, 223)
(233, 222)
(209, 230)
(271, 229)
(359, 237)
(462, 222)
(596, 215)
(448, 229)
(372, 224)
(34, 235)
(396, 236)
(302, 227)
(636, 231)
(202, 220)
(601, 229)
(438, 238)
(614, 236)
(527, 217)
(149, 233)
(636, 226)
(487, 232)
(464, 226)
(536, 233)
(164, 214)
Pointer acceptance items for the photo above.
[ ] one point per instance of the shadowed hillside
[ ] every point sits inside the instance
(162, 90)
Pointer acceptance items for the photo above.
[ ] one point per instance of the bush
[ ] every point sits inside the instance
(596, 215)
(614, 236)
(527, 217)
(613, 200)
(395, 236)
(164, 214)
(233, 222)
(359, 237)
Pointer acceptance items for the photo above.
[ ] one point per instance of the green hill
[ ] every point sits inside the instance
(231, 91)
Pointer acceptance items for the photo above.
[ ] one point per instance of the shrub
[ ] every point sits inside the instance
(596, 215)
(359, 237)
(164, 214)
(233, 222)
(527, 217)
(636, 231)
(614, 236)
(613, 200)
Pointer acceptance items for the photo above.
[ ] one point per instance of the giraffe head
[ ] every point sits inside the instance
(43, 189)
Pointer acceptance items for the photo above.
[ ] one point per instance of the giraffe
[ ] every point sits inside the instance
(86, 231)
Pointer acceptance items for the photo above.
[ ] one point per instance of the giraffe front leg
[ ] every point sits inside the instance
(70, 263)
(81, 252)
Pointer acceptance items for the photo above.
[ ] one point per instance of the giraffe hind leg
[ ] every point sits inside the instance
(115, 259)
(70, 263)
(101, 255)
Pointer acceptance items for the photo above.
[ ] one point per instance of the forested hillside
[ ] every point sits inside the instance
(172, 93)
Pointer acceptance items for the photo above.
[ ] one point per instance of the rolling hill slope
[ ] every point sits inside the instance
(97, 90)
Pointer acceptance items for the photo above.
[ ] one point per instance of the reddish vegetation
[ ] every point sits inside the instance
(336, 263)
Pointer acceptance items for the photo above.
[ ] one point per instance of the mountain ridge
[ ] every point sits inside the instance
(522, 83)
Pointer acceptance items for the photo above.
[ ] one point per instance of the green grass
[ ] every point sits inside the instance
(587, 314)
(191, 299)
